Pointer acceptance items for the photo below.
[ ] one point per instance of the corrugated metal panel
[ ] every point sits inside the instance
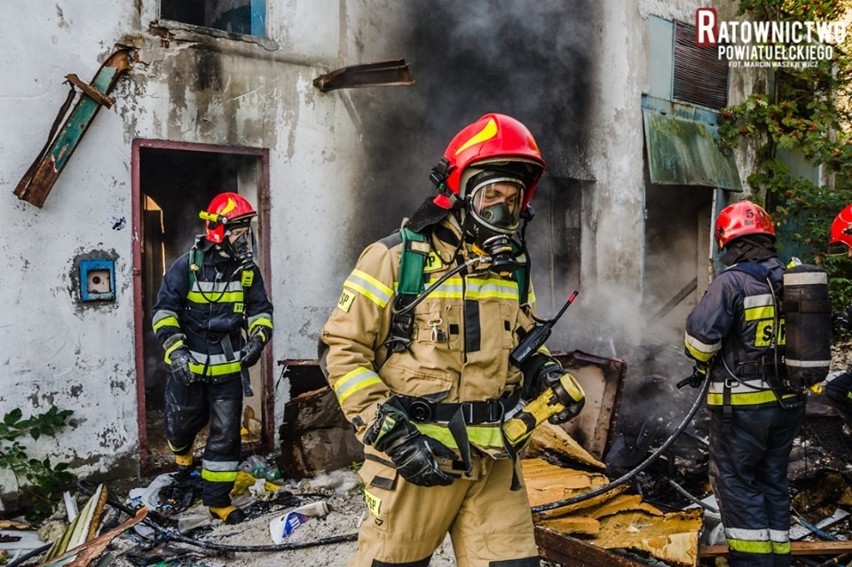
(684, 152)
(700, 77)
(660, 57)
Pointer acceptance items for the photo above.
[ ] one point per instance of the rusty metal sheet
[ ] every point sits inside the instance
(684, 152)
(39, 179)
(382, 74)
(567, 550)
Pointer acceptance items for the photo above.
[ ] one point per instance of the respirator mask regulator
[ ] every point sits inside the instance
(494, 215)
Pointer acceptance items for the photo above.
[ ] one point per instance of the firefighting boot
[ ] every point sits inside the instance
(228, 514)
(184, 465)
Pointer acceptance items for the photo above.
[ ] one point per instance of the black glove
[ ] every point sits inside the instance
(540, 372)
(251, 352)
(696, 379)
(179, 360)
(843, 321)
(412, 452)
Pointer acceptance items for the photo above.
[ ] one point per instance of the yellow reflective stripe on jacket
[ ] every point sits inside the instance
(165, 319)
(355, 381)
(217, 364)
(176, 345)
(216, 369)
(701, 352)
(746, 399)
(215, 297)
(496, 288)
(485, 436)
(757, 307)
(216, 292)
(450, 289)
(261, 320)
(369, 287)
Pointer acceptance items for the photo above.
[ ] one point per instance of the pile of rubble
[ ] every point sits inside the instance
(660, 513)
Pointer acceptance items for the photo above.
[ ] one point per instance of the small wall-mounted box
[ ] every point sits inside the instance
(97, 280)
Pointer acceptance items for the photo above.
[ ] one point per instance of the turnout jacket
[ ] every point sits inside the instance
(463, 334)
(211, 306)
(734, 322)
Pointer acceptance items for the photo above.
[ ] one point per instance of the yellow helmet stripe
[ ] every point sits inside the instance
(230, 206)
(488, 132)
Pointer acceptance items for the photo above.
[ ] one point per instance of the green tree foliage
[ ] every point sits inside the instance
(40, 481)
(805, 110)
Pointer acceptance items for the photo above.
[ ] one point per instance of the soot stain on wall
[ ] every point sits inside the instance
(531, 61)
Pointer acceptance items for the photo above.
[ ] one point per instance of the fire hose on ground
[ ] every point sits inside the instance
(699, 399)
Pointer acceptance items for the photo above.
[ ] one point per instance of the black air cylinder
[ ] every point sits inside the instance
(807, 317)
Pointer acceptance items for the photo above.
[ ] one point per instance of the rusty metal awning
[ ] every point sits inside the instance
(382, 74)
(682, 149)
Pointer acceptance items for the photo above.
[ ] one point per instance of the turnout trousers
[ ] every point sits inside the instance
(748, 473)
(489, 525)
(188, 410)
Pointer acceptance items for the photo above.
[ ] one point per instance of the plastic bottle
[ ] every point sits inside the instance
(282, 526)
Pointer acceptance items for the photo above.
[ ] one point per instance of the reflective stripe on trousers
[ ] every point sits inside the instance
(187, 411)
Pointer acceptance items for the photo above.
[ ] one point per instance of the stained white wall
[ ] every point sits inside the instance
(81, 357)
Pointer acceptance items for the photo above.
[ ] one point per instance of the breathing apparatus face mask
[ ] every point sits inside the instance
(239, 242)
(494, 207)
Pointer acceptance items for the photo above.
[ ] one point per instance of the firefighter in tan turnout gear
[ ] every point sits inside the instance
(417, 352)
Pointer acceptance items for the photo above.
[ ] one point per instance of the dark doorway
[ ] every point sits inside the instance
(173, 183)
(677, 251)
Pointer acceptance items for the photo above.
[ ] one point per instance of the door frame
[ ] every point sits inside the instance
(268, 402)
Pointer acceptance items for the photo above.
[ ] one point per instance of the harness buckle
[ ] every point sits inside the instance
(420, 411)
(731, 383)
(468, 412)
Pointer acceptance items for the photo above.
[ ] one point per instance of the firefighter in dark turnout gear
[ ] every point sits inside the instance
(838, 387)
(736, 336)
(428, 393)
(213, 318)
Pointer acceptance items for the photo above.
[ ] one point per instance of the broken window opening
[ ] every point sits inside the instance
(247, 17)
(173, 186)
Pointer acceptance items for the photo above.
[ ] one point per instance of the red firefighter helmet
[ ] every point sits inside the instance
(225, 211)
(495, 142)
(841, 228)
(740, 219)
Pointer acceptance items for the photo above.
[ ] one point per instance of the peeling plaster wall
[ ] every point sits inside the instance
(194, 89)
(56, 350)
